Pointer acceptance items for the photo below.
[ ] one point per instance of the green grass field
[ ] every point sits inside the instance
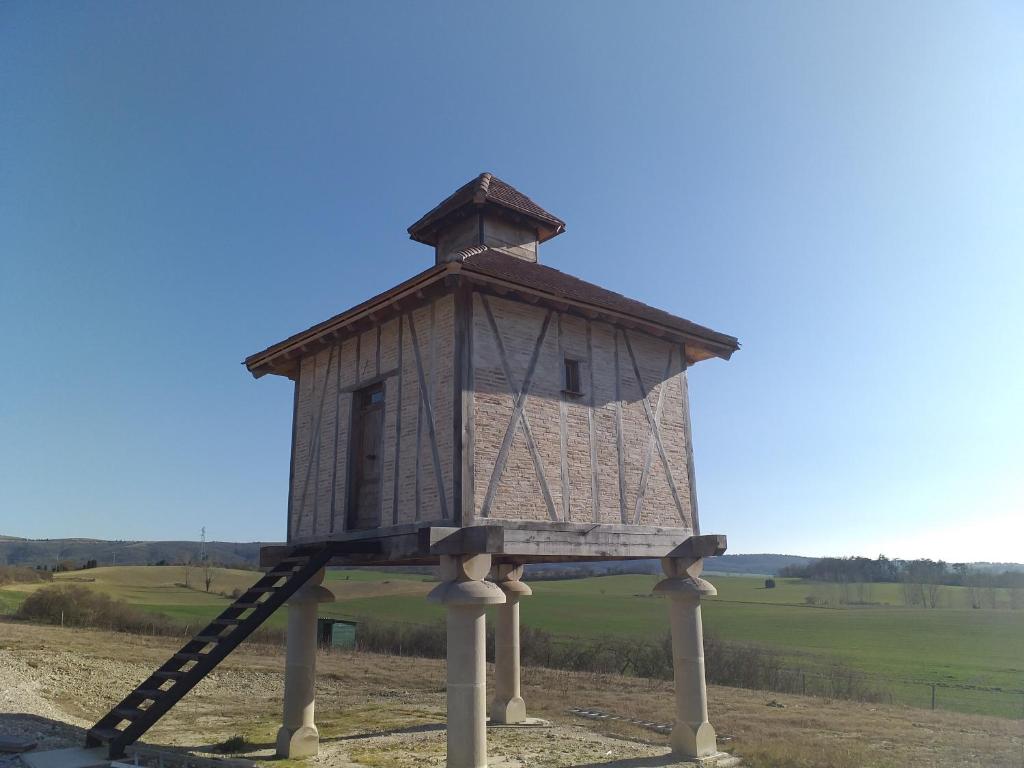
(954, 646)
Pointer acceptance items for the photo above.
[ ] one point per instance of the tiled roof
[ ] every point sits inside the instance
(483, 190)
(544, 279)
(495, 265)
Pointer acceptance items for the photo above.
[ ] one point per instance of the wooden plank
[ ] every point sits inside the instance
(398, 428)
(595, 487)
(538, 464)
(337, 435)
(654, 425)
(619, 442)
(291, 462)
(346, 493)
(518, 403)
(691, 474)
(464, 428)
(563, 432)
(359, 359)
(428, 412)
(314, 452)
(649, 450)
(418, 503)
(319, 437)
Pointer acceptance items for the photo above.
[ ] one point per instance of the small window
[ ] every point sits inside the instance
(572, 377)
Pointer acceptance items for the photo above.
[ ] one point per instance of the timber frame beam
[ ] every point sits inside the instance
(506, 542)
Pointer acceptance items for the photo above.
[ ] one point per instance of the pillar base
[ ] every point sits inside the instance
(299, 742)
(511, 712)
(690, 743)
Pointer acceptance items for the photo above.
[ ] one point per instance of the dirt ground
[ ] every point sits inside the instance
(389, 711)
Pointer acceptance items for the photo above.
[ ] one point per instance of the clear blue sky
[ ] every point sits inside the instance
(841, 185)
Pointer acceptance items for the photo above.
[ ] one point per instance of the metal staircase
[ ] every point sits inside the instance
(151, 700)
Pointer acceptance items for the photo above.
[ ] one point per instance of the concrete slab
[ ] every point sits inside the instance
(73, 757)
(530, 722)
(13, 746)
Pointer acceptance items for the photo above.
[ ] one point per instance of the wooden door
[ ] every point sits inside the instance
(367, 456)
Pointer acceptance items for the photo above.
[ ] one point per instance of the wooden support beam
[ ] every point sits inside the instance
(473, 540)
(509, 541)
(709, 545)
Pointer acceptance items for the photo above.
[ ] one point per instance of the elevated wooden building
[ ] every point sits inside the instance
(492, 390)
(487, 413)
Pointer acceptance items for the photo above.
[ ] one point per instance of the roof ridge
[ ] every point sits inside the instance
(484, 188)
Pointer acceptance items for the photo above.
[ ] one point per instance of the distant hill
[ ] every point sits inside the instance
(763, 564)
(33, 552)
(767, 564)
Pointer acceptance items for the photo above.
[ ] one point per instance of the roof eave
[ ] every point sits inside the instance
(714, 343)
(425, 230)
(283, 356)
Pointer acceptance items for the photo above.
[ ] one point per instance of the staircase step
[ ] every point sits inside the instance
(169, 675)
(105, 734)
(148, 693)
(225, 631)
(209, 638)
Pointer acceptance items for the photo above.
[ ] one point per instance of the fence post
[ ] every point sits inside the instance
(803, 683)
(933, 695)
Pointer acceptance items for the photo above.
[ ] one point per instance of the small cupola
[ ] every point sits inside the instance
(486, 212)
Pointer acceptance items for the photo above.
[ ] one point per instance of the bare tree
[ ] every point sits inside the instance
(188, 572)
(913, 594)
(208, 574)
(1016, 598)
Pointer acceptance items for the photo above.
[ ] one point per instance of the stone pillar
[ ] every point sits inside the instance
(298, 736)
(507, 706)
(692, 736)
(465, 595)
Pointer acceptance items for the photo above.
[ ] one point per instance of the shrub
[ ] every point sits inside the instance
(234, 745)
(79, 606)
(20, 574)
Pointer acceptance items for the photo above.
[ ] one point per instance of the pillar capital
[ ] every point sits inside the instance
(463, 582)
(508, 578)
(312, 592)
(683, 581)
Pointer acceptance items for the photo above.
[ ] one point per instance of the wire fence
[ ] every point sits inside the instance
(920, 694)
(730, 664)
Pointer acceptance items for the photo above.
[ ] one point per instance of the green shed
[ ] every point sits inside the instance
(336, 633)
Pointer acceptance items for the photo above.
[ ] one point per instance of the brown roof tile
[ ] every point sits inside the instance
(485, 189)
(544, 279)
(488, 263)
